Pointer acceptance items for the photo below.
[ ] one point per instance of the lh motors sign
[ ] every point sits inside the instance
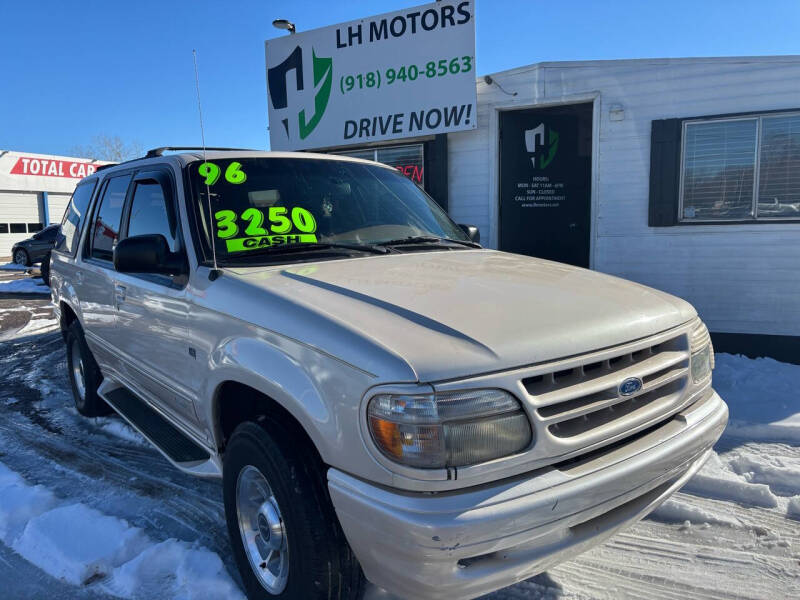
(401, 74)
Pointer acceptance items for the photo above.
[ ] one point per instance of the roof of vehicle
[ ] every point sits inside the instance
(185, 157)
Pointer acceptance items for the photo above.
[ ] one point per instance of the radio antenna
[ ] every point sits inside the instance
(215, 271)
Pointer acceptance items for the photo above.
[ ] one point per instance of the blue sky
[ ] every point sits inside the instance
(73, 70)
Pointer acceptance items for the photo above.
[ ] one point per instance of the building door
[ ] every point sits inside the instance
(18, 210)
(545, 182)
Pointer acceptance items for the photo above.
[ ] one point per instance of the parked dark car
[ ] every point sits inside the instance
(35, 248)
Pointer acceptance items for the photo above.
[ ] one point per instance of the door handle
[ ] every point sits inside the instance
(119, 294)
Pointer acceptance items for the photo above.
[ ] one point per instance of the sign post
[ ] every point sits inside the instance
(401, 74)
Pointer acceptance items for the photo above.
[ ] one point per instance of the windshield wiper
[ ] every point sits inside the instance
(309, 247)
(427, 239)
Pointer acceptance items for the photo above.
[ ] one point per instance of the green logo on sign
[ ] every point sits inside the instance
(323, 80)
(535, 144)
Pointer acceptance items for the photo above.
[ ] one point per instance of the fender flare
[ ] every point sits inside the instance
(262, 366)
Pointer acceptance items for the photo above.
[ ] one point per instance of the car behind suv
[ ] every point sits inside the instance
(381, 396)
(36, 248)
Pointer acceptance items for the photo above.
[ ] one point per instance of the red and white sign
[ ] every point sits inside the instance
(46, 167)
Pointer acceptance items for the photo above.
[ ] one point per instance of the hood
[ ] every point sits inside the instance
(459, 313)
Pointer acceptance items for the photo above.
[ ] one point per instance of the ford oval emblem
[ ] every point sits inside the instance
(630, 386)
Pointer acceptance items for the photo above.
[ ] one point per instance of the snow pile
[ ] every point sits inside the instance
(793, 509)
(678, 511)
(763, 396)
(783, 476)
(20, 503)
(172, 569)
(78, 544)
(716, 480)
(752, 468)
(118, 428)
(13, 267)
(29, 285)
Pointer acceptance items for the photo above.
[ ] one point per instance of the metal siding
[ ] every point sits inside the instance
(741, 278)
(17, 207)
(58, 204)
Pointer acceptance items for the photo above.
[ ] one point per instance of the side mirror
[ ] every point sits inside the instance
(473, 233)
(147, 254)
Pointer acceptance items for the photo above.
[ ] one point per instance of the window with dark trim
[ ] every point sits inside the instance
(49, 234)
(34, 227)
(150, 213)
(108, 218)
(74, 218)
(19, 228)
(737, 168)
(3, 227)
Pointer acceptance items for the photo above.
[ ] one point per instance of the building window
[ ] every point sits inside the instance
(3, 227)
(406, 159)
(741, 169)
(34, 227)
(18, 228)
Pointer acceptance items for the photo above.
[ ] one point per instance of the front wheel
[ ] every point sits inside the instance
(21, 258)
(286, 538)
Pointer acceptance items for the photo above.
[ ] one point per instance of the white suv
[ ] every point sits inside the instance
(381, 396)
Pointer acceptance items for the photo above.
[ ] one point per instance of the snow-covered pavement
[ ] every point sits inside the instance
(27, 285)
(89, 510)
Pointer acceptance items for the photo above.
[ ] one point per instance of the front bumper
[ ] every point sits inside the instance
(465, 543)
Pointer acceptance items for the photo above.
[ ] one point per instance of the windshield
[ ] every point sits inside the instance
(271, 203)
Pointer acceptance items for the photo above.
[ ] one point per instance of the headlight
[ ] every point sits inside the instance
(702, 353)
(450, 429)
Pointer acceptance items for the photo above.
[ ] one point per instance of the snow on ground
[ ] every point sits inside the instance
(18, 319)
(14, 267)
(28, 285)
(763, 394)
(151, 531)
(78, 544)
(119, 428)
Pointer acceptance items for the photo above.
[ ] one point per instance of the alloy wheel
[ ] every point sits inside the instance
(262, 529)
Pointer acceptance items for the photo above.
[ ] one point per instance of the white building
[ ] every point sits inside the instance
(682, 174)
(34, 192)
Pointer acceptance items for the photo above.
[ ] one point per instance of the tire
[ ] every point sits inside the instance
(84, 374)
(21, 257)
(45, 269)
(319, 562)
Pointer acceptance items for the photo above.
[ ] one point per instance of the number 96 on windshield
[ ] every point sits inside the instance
(252, 229)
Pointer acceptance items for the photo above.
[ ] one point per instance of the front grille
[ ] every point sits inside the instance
(581, 405)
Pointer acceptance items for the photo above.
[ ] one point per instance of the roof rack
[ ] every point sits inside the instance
(106, 166)
(160, 151)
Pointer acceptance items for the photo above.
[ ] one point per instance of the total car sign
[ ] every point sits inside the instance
(401, 74)
(44, 167)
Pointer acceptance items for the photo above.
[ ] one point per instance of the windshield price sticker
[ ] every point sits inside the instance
(211, 173)
(297, 226)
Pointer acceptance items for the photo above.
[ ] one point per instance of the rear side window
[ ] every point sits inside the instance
(150, 213)
(48, 234)
(74, 217)
(105, 231)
